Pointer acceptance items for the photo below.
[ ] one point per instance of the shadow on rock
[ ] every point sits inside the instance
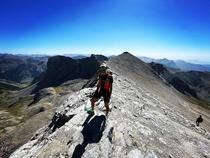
(92, 133)
(59, 120)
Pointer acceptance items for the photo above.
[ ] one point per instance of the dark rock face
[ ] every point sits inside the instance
(173, 79)
(182, 87)
(61, 69)
(193, 83)
(199, 81)
(158, 68)
(100, 58)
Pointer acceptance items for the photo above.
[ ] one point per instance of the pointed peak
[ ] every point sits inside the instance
(127, 53)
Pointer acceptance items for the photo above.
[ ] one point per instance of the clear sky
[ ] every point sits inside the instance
(175, 29)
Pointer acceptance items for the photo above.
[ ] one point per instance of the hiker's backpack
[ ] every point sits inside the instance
(105, 82)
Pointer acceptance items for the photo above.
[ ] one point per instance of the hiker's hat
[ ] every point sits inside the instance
(103, 65)
(109, 71)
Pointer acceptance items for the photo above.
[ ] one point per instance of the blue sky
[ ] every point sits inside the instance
(175, 29)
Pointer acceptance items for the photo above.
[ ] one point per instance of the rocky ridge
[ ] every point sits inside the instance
(141, 124)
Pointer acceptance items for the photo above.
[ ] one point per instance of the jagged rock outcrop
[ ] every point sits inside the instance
(61, 69)
(142, 122)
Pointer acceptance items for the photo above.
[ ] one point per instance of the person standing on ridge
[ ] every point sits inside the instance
(104, 88)
(199, 120)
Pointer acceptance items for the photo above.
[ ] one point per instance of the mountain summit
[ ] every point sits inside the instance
(148, 119)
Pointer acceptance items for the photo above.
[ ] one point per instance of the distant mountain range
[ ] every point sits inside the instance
(178, 64)
(76, 56)
(21, 68)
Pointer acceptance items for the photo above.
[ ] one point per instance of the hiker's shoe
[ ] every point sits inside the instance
(91, 112)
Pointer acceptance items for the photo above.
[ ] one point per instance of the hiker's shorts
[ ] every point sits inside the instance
(101, 93)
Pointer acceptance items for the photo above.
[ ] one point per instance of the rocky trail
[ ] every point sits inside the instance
(140, 124)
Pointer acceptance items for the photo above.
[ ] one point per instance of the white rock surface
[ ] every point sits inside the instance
(141, 124)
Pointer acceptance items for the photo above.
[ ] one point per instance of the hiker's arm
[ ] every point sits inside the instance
(110, 90)
(111, 81)
(98, 85)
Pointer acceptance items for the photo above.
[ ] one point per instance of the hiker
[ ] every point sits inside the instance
(199, 120)
(104, 88)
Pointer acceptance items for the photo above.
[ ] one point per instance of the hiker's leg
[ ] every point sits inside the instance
(93, 100)
(106, 103)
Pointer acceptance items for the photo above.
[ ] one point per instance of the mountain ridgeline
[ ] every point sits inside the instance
(178, 64)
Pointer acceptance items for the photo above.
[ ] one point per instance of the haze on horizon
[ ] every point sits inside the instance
(160, 29)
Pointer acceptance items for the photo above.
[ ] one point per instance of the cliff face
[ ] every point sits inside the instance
(142, 123)
(61, 69)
